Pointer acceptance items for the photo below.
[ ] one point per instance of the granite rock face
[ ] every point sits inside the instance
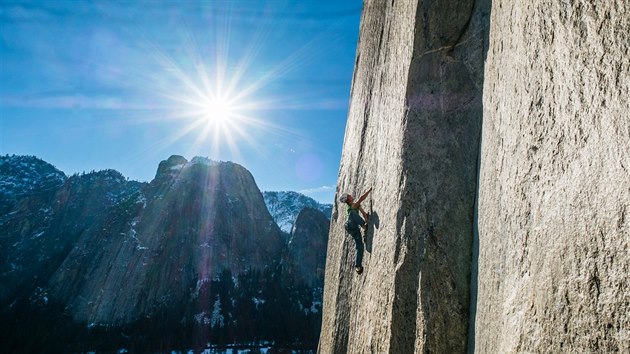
(554, 199)
(307, 246)
(192, 222)
(45, 221)
(98, 262)
(413, 135)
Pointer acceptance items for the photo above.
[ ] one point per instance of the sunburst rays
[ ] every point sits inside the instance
(221, 88)
(216, 89)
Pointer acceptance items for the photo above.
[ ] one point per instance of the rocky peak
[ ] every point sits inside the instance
(201, 160)
(307, 245)
(201, 248)
(285, 206)
(168, 167)
(99, 189)
(107, 174)
(20, 175)
(209, 219)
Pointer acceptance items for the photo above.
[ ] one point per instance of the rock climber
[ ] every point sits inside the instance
(353, 223)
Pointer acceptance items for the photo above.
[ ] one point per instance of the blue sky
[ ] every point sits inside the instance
(90, 85)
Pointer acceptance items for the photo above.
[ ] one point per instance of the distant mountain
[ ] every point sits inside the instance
(21, 175)
(285, 207)
(42, 225)
(308, 245)
(98, 262)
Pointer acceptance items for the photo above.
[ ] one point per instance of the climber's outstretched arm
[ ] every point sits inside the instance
(363, 196)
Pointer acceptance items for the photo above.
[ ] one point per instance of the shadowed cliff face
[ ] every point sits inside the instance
(307, 245)
(46, 220)
(191, 223)
(555, 179)
(413, 134)
(97, 262)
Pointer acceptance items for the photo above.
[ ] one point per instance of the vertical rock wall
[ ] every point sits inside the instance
(156, 248)
(554, 207)
(413, 135)
(307, 247)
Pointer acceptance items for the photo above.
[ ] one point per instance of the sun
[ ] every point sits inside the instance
(222, 102)
(218, 110)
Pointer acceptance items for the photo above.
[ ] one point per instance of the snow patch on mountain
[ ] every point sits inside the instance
(285, 206)
(200, 160)
(176, 164)
(22, 174)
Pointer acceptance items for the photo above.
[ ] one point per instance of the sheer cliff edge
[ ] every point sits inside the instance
(413, 135)
(496, 137)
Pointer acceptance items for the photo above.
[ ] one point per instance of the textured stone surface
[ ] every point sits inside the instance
(45, 222)
(307, 246)
(554, 207)
(98, 262)
(413, 134)
(192, 222)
